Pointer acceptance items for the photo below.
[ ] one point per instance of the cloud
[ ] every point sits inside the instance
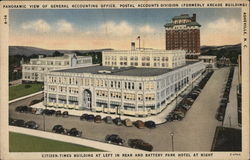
(223, 25)
(39, 25)
(64, 26)
(221, 32)
(146, 29)
(116, 29)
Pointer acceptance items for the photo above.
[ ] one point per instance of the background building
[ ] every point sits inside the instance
(184, 33)
(209, 61)
(149, 58)
(35, 69)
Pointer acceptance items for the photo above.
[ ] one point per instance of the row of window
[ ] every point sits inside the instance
(50, 62)
(71, 90)
(145, 58)
(127, 96)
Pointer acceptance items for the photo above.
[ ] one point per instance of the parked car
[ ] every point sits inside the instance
(52, 112)
(18, 109)
(33, 111)
(118, 121)
(74, 132)
(98, 119)
(150, 124)
(191, 100)
(219, 116)
(65, 114)
(90, 117)
(84, 116)
(58, 113)
(140, 144)
(12, 121)
(224, 100)
(19, 123)
(115, 139)
(139, 124)
(39, 111)
(128, 122)
(109, 120)
(45, 111)
(35, 101)
(48, 112)
(59, 129)
(176, 115)
(31, 124)
(23, 109)
(186, 107)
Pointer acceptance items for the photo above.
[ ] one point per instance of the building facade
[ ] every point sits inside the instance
(130, 91)
(184, 33)
(147, 58)
(35, 69)
(209, 61)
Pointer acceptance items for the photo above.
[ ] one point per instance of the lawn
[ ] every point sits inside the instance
(24, 90)
(227, 139)
(25, 143)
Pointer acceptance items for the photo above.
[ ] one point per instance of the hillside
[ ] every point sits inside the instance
(28, 51)
(228, 51)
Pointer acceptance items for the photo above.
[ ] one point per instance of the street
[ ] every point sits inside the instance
(194, 133)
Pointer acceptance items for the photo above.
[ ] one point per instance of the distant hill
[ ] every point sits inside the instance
(228, 51)
(28, 51)
(205, 49)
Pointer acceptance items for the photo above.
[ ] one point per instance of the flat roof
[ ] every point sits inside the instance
(122, 71)
(207, 57)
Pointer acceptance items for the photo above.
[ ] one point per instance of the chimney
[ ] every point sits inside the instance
(194, 17)
(132, 46)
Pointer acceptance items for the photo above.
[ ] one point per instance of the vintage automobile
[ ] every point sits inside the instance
(140, 144)
(114, 139)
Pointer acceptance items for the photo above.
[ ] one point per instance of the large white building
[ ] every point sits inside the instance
(126, 89)
(35, 69)
(144, 58)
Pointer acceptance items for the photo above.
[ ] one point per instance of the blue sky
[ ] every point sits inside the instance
(87, 25)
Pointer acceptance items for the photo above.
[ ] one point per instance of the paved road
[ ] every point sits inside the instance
(194, 133)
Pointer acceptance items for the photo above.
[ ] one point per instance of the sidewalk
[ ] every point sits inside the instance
(75, 140)
(21, 98)
(158, 119)
(231, 115)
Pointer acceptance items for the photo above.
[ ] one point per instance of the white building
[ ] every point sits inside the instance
(148, 58)
(122, 89)
(35, 69)
(209, 61)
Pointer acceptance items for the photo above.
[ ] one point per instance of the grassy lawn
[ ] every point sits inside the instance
(227, 139)
(21, 90)
(25, 143)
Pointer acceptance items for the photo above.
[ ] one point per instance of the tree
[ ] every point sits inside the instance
(57, 54)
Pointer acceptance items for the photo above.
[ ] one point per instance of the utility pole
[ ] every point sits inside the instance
(172, 140)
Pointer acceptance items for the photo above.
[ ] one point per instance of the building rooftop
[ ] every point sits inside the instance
(188, 24)
(183, 16)
(207, 57)
(147, 50)
(122, 71)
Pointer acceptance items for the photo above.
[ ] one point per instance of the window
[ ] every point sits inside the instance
(140, 86)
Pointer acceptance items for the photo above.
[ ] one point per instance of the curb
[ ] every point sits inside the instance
(24, 97)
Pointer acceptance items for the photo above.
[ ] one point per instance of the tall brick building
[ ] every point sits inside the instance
(184, 33)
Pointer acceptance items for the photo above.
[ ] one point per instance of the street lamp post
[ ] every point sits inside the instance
(172, 138)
